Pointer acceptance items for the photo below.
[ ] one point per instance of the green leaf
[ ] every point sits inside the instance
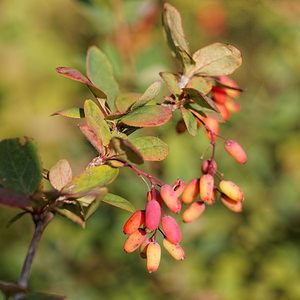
(148, 116)
(77, 76)
(172, 82)
(118, 201)
(16, 218)
(100, 72)
(151, 93)
(152, 148)
(190, 121)
(13, 199)
(114, 116)
(173, 29)
(124, 101)
(91, 178)
(201, 99)
(204, 85)
(72, 212)
(95, 120)
(124, 150)
(20, 166)
(91, 137)
(186, 60)
(60, 174)
(74, 112)
(217, 59)
(42, 296)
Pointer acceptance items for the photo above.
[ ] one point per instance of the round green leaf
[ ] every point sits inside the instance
(152, 148)
(147, 116)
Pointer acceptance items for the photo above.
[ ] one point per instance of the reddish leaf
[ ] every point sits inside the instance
(10, 198)
(148, 116)
(60, 174)
(91, 137)
(77, 76)
(124, 101)
(172, 82)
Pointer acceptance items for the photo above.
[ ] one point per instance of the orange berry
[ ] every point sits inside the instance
(213, 125)
(175, 250)
(231, 83)
(235, 206)
(219, 94)
(134, 222)
(213, 198)
(191, 191)
(170, 198)
(206, 186)
(171, 229)
(143, 247)
(193, 211)
(134, 240)
(225, 113)
(178, 186)
(231, 190)
(153, 256)
(236, 151)
(232, 105)
(208, 166)
(152, 215)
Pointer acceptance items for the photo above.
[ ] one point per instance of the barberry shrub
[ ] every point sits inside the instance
(204, 96)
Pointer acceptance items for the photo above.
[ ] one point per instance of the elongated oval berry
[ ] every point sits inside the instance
(134, 240)
(219, 94)
(235, 206)
(206, 186)
(230, 189)
(224, 111)
(171, 229)
(230, 83)
(236, 151)
(178, 186)
(213, 198)
(193, 211)
(232, 105)
(213, 125)
(191, 191)
(208, 166)
(134, 222)
(175, 250)
(143, 247)
(153, 256)
(180, 127)
(170, 198)
(152, 215)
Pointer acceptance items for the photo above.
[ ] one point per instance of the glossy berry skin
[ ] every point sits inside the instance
(236, 151)
(153, 256)
(178, 187)
(230, 83)
(193, 211)
(152, 215)
(174, 249)
(206, 186)
(191, 191)
(235, 206)
(231, 190)
(171, 229)
(213, 125)
(219, 94)
(134, 240)
(170, 198)
(134, 222)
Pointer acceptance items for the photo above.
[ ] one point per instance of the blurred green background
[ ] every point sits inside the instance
(251, 255)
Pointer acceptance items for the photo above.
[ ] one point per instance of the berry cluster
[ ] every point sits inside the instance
(147, 221)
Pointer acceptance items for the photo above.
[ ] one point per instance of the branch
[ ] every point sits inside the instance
(41, 222)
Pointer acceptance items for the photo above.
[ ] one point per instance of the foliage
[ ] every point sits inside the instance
(251, 215)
